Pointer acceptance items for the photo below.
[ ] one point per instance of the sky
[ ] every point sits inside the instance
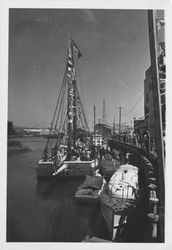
(115, 55)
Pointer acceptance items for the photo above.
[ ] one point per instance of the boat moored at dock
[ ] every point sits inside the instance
(72, 152)
(118, 198)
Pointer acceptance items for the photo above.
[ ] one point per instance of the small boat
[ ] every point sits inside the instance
(88, 238)
(72, 152)
(118, 198)
(108, 165)
(90, 189)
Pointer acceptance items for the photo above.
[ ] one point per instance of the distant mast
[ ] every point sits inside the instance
(69, 117)
(104, 112)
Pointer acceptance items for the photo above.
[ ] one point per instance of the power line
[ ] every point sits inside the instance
(135, 103)
(146, 88)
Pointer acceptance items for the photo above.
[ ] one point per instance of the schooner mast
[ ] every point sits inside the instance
(76, 114)
(69, 115)
(72, 126)
(68, 150)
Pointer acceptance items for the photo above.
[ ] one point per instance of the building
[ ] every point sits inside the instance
(103, 129)
(36, 131)
(148, 123)
(11, 130)
(97, 140)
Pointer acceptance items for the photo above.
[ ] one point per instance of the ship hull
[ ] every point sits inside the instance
(118, 199)
(45, 169)
(69, 169)
(114, 222)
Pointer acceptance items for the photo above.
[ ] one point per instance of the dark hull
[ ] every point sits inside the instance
(73, 169)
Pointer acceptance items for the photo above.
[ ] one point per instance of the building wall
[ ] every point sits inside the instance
(149, 103)
(149, 99)
(103, 130)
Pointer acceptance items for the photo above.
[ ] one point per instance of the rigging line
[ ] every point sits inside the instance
(64, 123)
(80, 115)
(58, 113)
(83, 113)
(78, 98)
(58, 99)
(145, 88)
(79, 76)
(82, 122)
(61, 101)
(82, 110)
(63, 81)
(64, 108)
(55, 110)
(65, 118)
(140, 98)
(85, 119)
(61, 116)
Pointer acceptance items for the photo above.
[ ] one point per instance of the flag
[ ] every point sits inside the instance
(70, 53)
(70, 62)
(75, 48)
(162, 75)
(160, 22)
(162, 45)
(69, 65)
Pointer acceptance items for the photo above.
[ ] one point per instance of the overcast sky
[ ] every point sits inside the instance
(115, 55)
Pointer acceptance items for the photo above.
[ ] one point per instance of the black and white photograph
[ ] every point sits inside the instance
(86, 125)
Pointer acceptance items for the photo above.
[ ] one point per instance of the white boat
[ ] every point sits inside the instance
(66, 168)
(118, 198)
(90, 189)
(71, 154)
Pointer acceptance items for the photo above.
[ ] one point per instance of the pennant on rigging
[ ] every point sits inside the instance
(70, 63)
(162, 45)
(75, 48)
(160, 22)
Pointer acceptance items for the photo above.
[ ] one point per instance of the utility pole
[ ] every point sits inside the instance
(94, 123)
(134, 118)
(120, 108)
(158, 117)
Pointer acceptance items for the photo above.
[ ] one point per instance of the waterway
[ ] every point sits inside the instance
(45, 211)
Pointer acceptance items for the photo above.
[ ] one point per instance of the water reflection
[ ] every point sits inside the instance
(45, 210)
(71, 221)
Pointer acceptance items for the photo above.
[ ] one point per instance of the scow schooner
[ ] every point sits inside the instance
(69, 150)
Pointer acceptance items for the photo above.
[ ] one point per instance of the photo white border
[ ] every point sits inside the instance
(98, 4)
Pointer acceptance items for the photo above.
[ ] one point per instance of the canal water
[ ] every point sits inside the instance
(45, 210)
